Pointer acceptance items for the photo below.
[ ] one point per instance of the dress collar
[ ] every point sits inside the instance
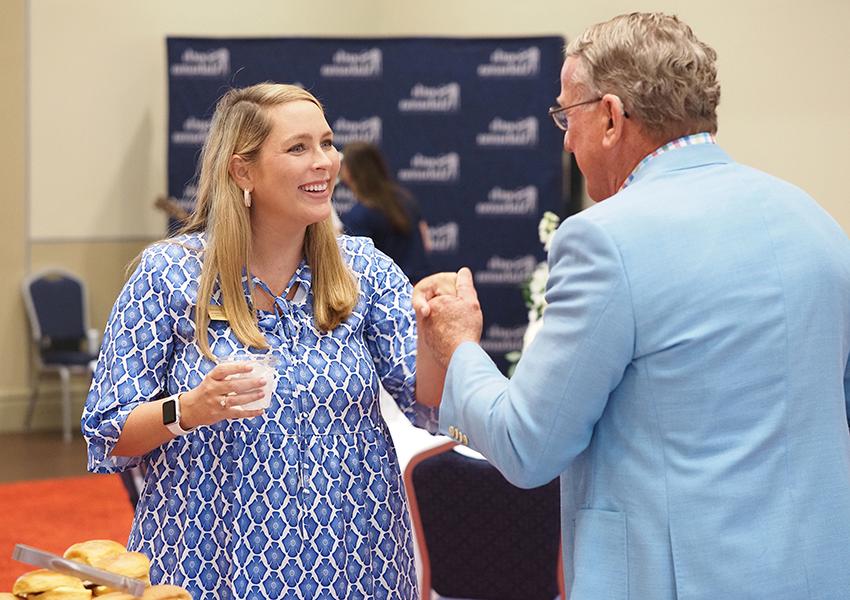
(302, 276)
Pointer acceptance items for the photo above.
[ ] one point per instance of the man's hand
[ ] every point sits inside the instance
(438, 284)
(445, 320)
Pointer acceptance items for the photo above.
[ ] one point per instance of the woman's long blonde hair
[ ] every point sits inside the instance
(239, 126)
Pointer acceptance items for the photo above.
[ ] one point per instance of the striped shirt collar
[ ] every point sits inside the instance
(689, 140)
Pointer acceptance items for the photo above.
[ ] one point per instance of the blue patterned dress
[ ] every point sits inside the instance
(304, 501)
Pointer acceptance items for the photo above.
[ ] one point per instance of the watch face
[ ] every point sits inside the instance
(169, 412)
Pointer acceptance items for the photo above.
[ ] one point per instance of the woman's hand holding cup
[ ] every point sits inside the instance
(221, 395)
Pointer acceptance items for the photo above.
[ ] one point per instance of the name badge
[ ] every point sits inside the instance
(217, 313)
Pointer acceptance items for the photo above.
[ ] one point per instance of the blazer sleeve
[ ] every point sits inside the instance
(847, 391)
(532, 425)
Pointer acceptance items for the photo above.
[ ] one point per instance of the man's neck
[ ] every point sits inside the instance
(635, 149)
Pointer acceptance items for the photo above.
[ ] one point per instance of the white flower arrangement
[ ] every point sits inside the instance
(535, 289)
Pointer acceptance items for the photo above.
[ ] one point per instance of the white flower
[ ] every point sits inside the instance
(533, 328)
(535, 287)
(546, 228)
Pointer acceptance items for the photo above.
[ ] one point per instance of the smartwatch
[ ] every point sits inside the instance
(171, 415)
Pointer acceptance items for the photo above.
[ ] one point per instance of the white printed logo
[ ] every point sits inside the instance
(187, 200)
(502, 132)
(507, 270)
(504, 63)
(432, 169)
(343, 199)
(521, 201)
(363, 130)
(193, 133)
(432, 99)
(365, 64)
(194, 63)
(444, 236)
(502, 339)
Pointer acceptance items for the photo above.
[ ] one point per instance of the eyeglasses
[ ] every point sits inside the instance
(559, 113)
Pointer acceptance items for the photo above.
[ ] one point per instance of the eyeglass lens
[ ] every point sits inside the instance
(559, 115)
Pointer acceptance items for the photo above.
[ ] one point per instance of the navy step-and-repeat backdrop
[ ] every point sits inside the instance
(462, 123)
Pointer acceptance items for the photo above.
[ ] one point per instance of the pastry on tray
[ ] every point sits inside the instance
(43, 580)
(95, 552)
(106, 555)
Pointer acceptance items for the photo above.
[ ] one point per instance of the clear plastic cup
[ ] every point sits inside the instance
(262, 365)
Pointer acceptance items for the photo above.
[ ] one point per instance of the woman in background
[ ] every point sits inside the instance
(303, 499)
(385, 211)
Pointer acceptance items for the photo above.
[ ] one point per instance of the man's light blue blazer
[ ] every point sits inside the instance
(689, 386)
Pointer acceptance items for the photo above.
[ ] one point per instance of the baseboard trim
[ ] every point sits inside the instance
(48, 408)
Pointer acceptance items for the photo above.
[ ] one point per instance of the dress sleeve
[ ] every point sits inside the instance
(131, 367)
(390, 333)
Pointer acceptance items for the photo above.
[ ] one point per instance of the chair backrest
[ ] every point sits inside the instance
(55, 302)
(479, 535)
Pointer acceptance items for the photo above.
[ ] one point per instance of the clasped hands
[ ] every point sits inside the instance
(447, 313)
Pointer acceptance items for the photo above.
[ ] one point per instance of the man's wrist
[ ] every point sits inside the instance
(447, 358)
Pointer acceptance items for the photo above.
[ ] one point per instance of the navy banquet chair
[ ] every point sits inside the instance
(479, 536)
(62, 341)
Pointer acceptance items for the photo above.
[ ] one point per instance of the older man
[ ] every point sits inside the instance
(689, 384)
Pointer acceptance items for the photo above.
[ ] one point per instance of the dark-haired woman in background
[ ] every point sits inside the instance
(385, 211)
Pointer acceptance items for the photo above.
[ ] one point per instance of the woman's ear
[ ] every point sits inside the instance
(240, 171)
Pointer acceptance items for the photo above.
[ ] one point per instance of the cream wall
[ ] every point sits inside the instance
(97, 109)
(13, 237)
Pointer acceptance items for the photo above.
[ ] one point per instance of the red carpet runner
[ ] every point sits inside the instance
(55, 513)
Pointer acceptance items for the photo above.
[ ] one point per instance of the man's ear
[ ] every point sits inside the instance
(240, 171)
(616, 120)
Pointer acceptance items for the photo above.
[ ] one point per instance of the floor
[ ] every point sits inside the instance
(40, 455)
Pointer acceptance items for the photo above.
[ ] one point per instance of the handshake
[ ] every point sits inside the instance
(447, 313)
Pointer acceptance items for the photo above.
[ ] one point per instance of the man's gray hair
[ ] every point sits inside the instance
(665, 76)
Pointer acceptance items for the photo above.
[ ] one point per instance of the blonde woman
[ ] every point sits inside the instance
(302, 499)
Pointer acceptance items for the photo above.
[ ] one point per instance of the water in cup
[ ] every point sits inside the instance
(262, 365)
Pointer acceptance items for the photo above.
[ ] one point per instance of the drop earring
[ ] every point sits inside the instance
(246, 197)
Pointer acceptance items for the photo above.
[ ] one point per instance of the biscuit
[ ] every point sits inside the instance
(129, 564)
(166, 592)
(102, 590)
(94, 552)
(43, 580)
(62, 593)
